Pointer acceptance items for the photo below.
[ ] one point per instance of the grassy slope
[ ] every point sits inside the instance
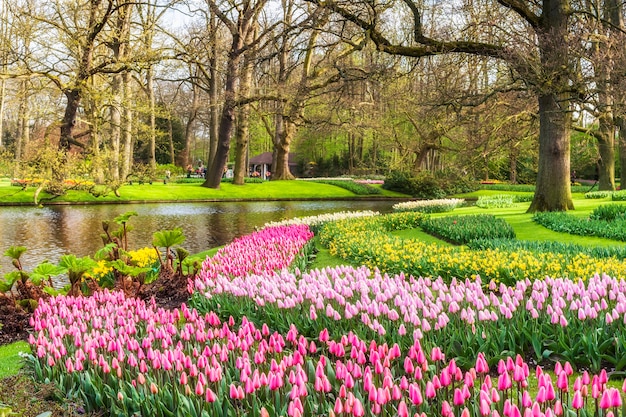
(193, 191)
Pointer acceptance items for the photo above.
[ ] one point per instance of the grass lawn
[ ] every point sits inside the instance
(10, 361)
(192, 191)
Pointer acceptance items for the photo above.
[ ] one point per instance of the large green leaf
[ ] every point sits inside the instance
(126, 269)
(45, 270)
(124, 218)
(168, 238)
(14, 252)
(9, 280)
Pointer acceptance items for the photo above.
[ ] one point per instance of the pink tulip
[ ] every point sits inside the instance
(577, 400)
(357, 408)
(430, 390)
(338, 409)
(605, 401)
(458, 397)
(210, 396)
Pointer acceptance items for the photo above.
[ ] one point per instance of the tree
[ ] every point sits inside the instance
(240, 21)
(544, 64)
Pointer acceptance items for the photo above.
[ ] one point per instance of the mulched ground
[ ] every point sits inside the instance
(15, 322)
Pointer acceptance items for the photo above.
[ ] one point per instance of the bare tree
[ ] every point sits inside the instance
(240, 18)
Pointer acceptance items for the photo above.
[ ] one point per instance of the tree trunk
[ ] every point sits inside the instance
(152, 104)
(69, 119)
(190, 126)
(115, 131)
(606, 150)
(621, 124)
(553, 192)
(170, 137)
(553, 188)
(127, 126)
(227, 119)
(281, 166)
(213, 95)
(243, 122)
(23, 132)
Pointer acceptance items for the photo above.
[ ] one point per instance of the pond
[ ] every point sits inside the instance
(50, 232)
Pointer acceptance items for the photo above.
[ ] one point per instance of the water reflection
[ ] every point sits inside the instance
(50, 232)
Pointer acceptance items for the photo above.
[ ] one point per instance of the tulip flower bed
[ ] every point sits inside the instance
(272, 248)
(463, 229)
(367, 241)
(126, 357)
(538, 318)
(268, 339)
(316, 222)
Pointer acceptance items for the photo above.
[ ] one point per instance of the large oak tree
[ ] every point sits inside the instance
(543, 64)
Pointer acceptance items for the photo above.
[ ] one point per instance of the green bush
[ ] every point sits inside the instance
(246, 180)
(354, 187)
(426, 185)
(568, 249)
(463, 229)
(566, 223)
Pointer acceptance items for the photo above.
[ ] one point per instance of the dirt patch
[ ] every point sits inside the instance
(29, 399)
(14, 321)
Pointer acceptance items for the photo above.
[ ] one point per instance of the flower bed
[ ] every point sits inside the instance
(367, 242)
(463, 229)
(337, 342)
(269, 249)
(315, 222)
(566, 223)
(391, 308)
(127, 357)
(429, 206)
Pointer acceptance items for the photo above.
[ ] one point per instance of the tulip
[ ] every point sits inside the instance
(577, 400)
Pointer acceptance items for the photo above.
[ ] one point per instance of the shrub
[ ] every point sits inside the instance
(428, 186)
(528, 187)
(246, 180)
(463, 229)
(357, 188)
(429, 206)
